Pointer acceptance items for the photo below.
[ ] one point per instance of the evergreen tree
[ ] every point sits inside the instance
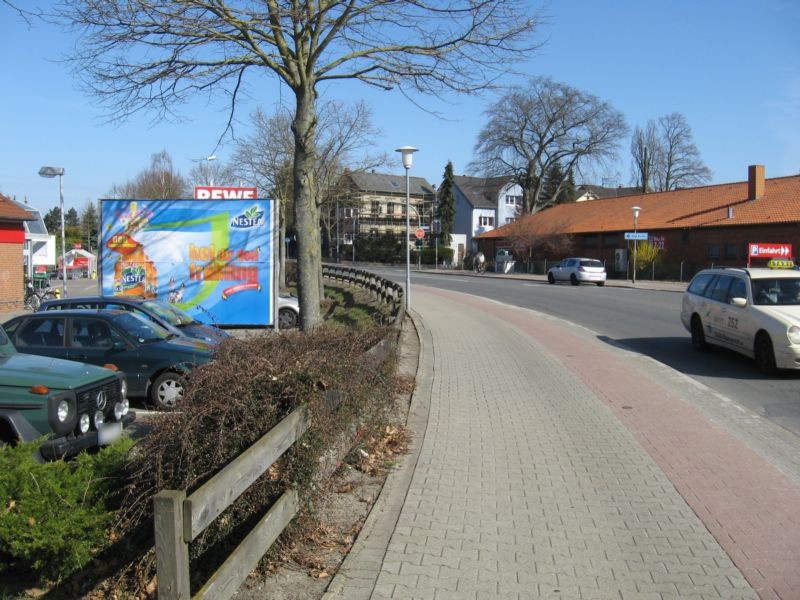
(568, 192)
(447, 205)
(71, 218)
(52, 220)
(89, 225)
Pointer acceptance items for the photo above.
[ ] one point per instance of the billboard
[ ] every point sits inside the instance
(213, 260)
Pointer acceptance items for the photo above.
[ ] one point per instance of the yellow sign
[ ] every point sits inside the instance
(777, 263)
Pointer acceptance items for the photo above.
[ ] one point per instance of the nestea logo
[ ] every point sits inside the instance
(252, 217)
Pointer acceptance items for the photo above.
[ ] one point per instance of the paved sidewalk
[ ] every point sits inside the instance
(550, 465)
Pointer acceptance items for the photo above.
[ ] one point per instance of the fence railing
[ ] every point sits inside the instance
(388, 292)
(179, 519)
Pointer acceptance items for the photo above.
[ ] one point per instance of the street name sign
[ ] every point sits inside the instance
(640, 235)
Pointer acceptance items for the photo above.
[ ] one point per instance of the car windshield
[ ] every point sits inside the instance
(140, 329)
(780, 291)
(171, 314)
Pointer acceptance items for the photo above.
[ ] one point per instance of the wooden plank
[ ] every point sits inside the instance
(227, 579)
(214, 496)
(172, 553)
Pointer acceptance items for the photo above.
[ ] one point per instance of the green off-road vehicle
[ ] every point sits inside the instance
(75, 405)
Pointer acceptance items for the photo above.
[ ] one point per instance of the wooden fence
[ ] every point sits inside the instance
(179, 519)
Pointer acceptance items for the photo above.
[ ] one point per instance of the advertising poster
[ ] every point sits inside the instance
(212, 259)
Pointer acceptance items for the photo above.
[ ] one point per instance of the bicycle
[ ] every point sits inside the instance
(34, 297)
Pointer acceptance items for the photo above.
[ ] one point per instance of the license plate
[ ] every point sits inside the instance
(109, 433)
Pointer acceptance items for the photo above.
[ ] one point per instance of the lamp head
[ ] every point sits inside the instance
(407, 152)
(636, 210)
(51, 171)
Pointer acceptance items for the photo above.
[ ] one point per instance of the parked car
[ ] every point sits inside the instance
(578, 270)
(169, 316)
(755, 312)
(77, 406)
(288, 311)
(155, 360)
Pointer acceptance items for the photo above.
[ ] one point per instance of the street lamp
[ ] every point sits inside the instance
(408, 159)
(51, 172)
(636, 210)
(210, 173)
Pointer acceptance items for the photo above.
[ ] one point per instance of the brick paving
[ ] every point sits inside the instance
(550, 468)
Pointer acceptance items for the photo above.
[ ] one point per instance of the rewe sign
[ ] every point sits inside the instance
(770, 250)
(225, 193)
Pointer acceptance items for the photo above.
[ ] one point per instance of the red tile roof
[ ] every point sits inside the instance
(11, 212)
(706, 206)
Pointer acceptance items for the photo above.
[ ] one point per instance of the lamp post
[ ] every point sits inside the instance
(210, 173)
(51, 172)
(408, 158)
(636, 210)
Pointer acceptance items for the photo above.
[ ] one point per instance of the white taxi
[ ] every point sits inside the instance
(755, 312)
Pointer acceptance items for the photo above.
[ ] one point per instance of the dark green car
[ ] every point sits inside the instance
(156, 361)
(77, 406)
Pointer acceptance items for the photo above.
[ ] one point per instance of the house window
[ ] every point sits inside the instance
(513, 200)
(510, 220)
(712, 251)
(590, 241)
(375, 207)
(348, 212)
(610, 241)
(486, 221)
(730, 250)
(391, 208)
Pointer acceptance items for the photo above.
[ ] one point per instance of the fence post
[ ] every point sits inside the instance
(172, 552)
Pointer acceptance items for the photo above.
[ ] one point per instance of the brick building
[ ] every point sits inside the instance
(694, 227)
(12, 241)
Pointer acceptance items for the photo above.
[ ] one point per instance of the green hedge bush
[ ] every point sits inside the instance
(55, 514)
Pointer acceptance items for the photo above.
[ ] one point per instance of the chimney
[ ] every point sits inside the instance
(755, 182)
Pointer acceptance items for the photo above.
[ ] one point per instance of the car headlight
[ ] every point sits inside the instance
(83, 423)
(62, 412)
(794, 334)
(120, 409)
(98, 419)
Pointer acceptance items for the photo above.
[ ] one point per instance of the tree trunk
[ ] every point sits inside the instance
(309, 262)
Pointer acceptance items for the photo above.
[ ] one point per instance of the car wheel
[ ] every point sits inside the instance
(167, 390)
(287, 318)
(573, 279)
(550, 278)
(698, 336)
(601, 283)
(764, 353)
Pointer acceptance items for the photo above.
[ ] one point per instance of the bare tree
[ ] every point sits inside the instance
(664, 156)
(680, 165)
(207, 172)
(344, 134)
(159, 181)
(156, 54)
(534, 127)
(645, 155)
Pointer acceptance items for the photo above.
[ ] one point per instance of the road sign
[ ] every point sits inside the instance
(770, 250)
(420, 233)
(640, 235)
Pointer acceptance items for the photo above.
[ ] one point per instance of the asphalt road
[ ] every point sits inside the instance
(642, 320)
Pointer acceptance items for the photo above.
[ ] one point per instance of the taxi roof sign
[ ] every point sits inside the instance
(777, 263)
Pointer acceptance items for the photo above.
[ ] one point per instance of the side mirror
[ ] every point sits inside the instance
(119, 345)
(740, 302)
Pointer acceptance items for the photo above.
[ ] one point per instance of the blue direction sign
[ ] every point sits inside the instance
(639, 235)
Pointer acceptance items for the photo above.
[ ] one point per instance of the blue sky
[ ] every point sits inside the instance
(731, 67)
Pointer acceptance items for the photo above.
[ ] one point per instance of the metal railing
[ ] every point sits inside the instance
(388, 292)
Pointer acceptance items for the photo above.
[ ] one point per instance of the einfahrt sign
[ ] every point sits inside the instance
(770, 250)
